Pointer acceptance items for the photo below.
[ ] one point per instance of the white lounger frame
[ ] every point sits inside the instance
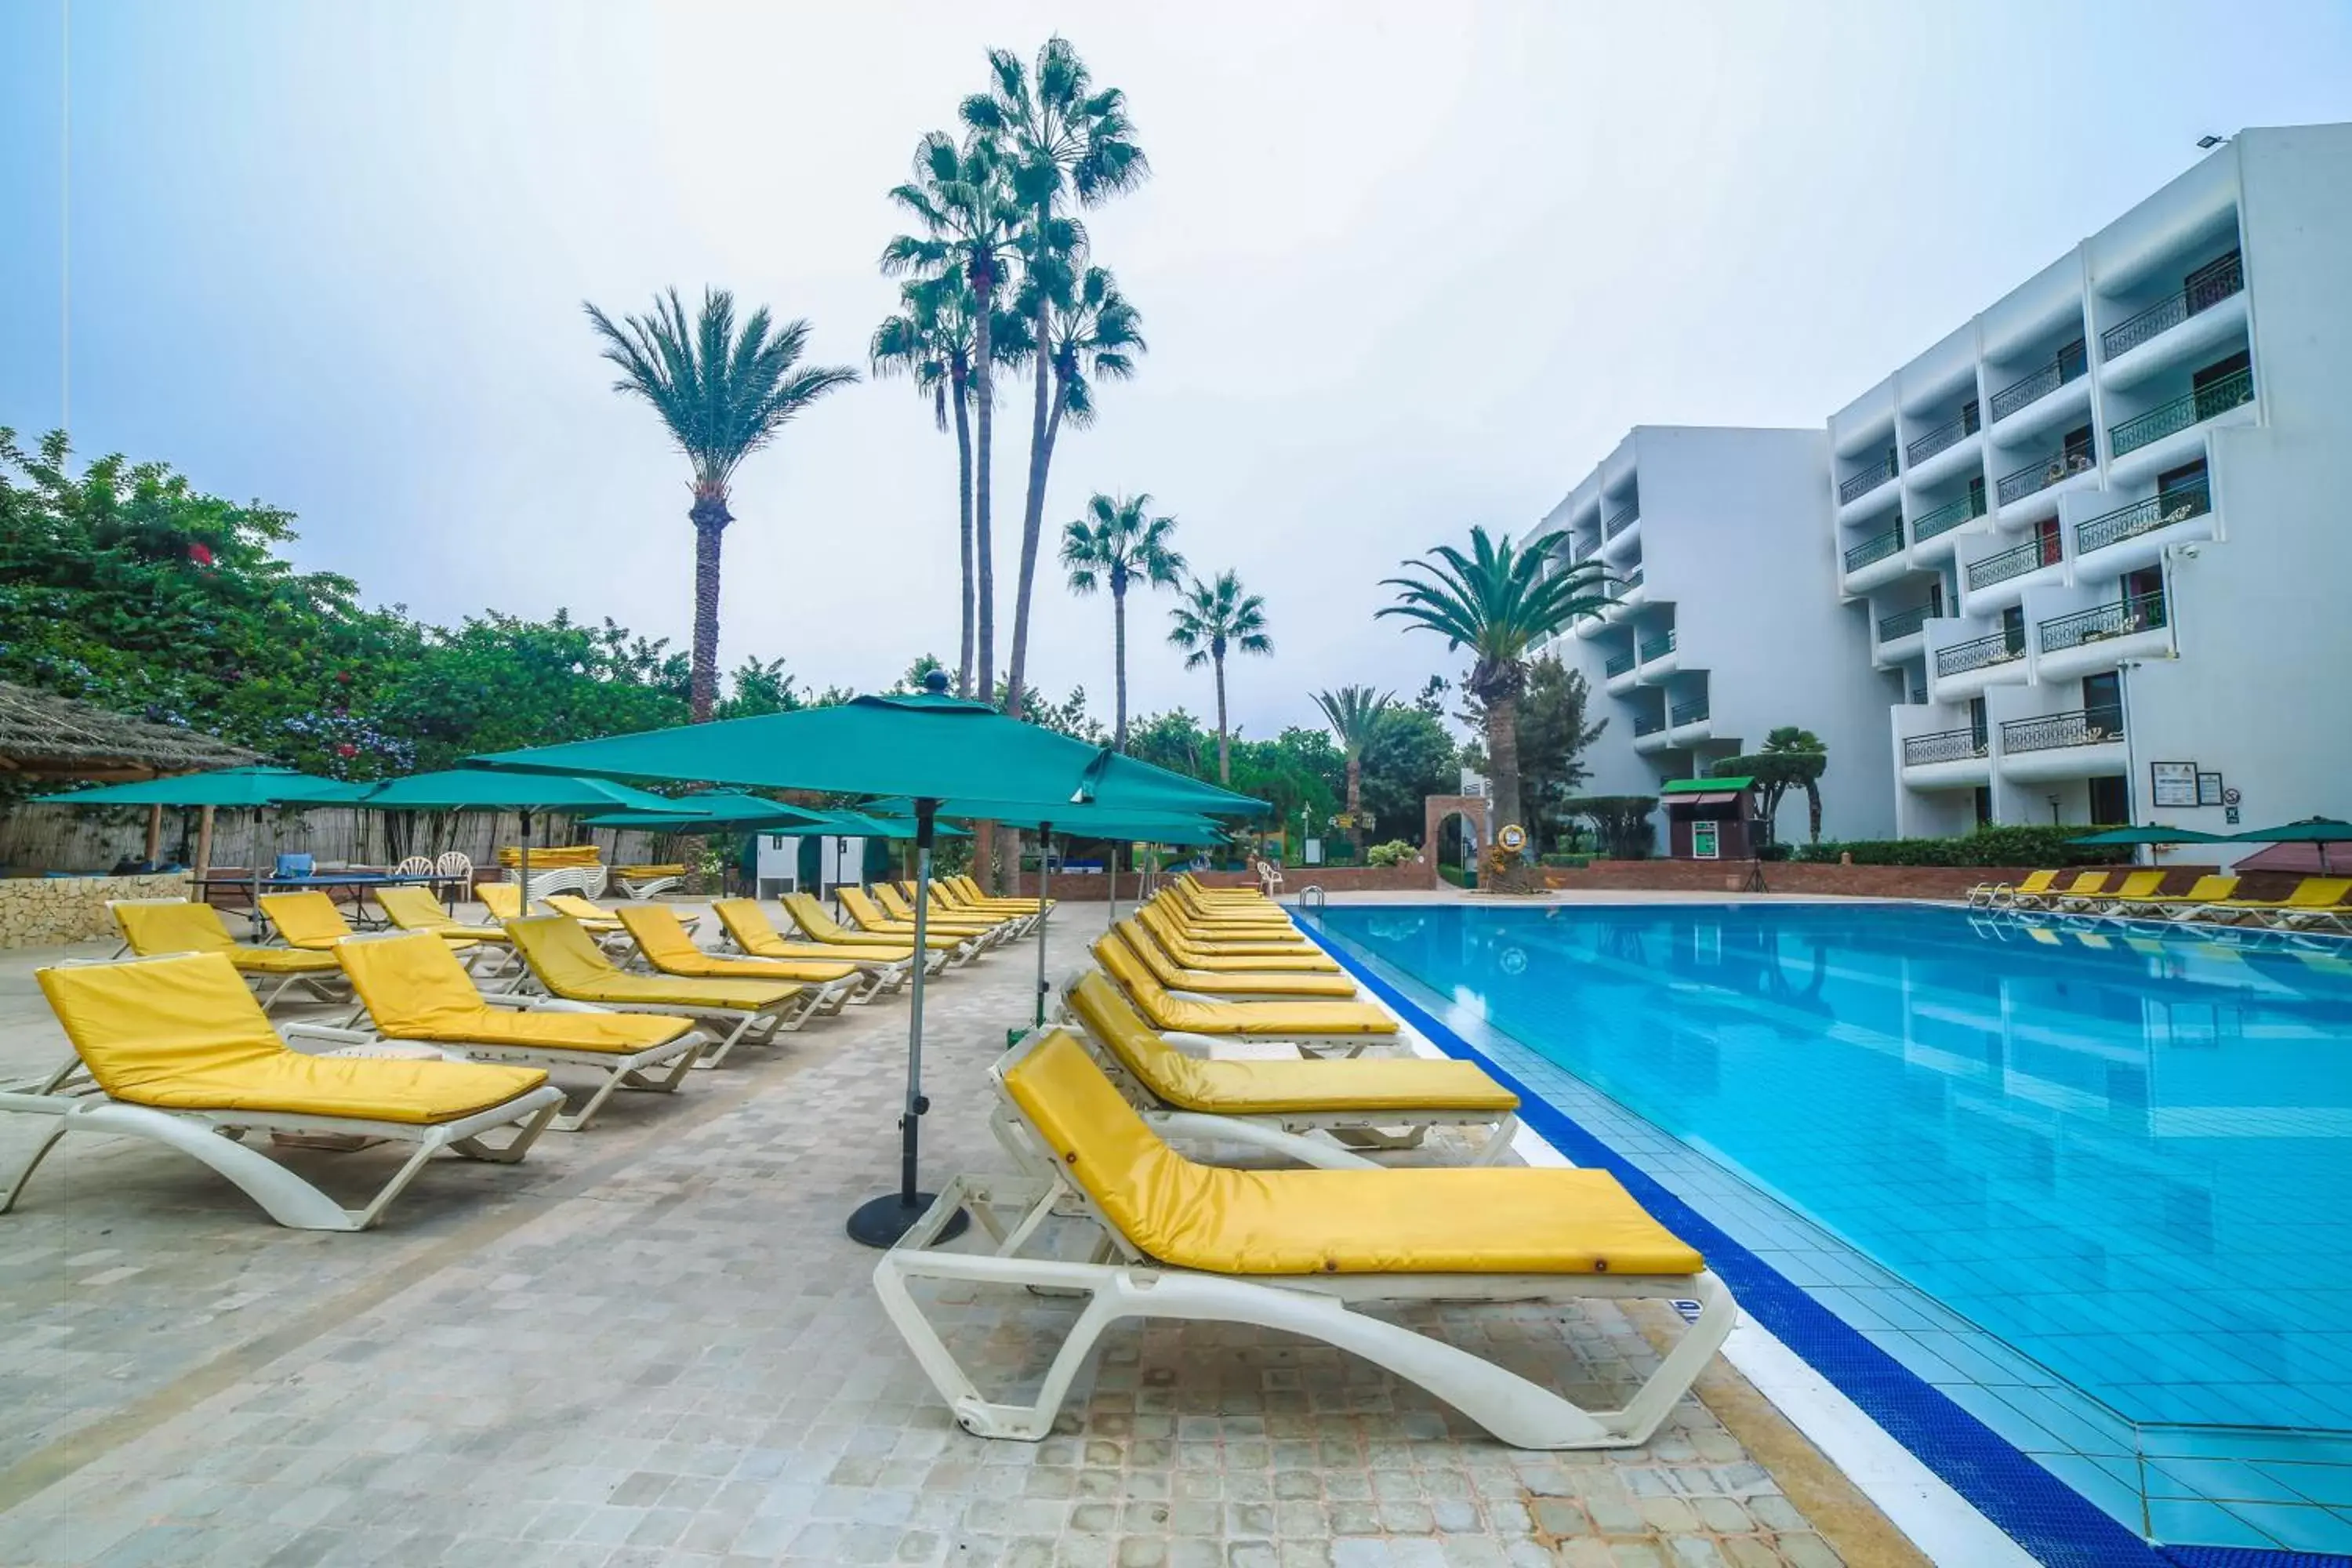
(1122, 1283)
(849, 991)
(890, 973)
(640, 891)
(956, 957)
(781, 1018)
(212, 1137)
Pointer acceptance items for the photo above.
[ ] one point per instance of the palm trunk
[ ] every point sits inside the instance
(1813, 806)
(710, 521)
(1502, 758)
(1118, 667)
(985, 385)
(960, 389)
(1224, 752)
(1356, 800)
(1033, 519)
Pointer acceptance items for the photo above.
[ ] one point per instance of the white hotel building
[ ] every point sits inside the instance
(2089, 547)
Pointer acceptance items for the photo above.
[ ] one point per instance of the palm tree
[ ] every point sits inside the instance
(1353, 712)
(1060, 138)
(724, 395)
(1800, 758)
(964, 198)
(1217, 619)
(1122, 546)
(1499, 601)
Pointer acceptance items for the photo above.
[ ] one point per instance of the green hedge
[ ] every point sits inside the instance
(1570, 862)
(2020, 846)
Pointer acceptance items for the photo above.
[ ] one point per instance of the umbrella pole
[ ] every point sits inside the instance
(1113, 869)
(522, 865)
(1044, 875)
(880, 1222)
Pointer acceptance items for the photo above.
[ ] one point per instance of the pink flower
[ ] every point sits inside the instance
(201, 555)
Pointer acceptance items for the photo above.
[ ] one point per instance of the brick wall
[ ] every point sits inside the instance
(1405, 879)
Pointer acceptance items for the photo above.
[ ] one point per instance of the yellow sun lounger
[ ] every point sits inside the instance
(155, 928)
(2085, 884)
(176, 1050)
(872, 923)
(747, 928)
(948, 902)
(1315, 1024)
(1235, 957)
(1206, 894)
(307, 920)
(567, 962)
(2207, 889)
(986, 930)
(1294, 1250)
(2316, 901)
(490, 951)
(1227, 985)
(666, 944)
(963, 883)
(1358, 1103)
(415, 990)
(817, 926)
(2001, 895)
(1271, 926)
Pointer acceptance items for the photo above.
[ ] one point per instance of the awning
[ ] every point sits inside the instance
(1713, 798)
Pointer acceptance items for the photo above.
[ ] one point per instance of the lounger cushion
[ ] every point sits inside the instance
(414, 989)
(280, 961)
(581, 910)
(1201, 953)
(1272, 1088)
(812, 917)
(670, 947)
(647, 873)
(415, 908)
(306, 920)
(1301, 984)
(184, 1034)
(1281, 1019)
(165, 928)
(748, 924)
(568, 963)
(1413, 1221)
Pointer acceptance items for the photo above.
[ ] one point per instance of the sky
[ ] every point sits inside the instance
(1402, 268)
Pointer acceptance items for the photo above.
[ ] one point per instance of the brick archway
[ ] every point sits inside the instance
(1436, 809)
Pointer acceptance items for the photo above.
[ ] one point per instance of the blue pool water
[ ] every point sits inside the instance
(2127, 1155)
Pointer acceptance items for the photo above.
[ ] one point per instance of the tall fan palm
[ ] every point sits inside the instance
(1120, 547)
(1499, 601)
(724, 395)
(964, 200)
(1353, 712)
(1062, 138)
(1217, 618)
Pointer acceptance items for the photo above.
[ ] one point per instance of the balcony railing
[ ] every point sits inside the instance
(1621, 665)
(2084, 727)
(1905, 623)
(1584, 552)
(2069, 364)
(1656, 646)
(2140, 612)
(1689, 712)
(1619, 521)
(2030, 556)
(1648, 726)
(2212, 286)
(1618, 587)
(1999, 648)
(2178, 504)
(1869, 479)
(1943, 746)
(1878, 548)
(1945, 518)
(1942, 435)
(2231, 391)
(2045, 471)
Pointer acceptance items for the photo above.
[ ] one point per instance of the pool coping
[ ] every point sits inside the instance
(2035, 1508)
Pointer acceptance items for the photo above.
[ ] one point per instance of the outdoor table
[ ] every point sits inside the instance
(356, 883)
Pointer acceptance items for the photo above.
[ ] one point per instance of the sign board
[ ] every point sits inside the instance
(1314, 851)
(1705, 842)
(2208, 789)
(2229, 815)
(2174, 784)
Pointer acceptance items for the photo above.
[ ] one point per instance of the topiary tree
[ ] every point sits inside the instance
(1791, 758)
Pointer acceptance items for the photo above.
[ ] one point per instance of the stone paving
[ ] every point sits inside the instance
(651, 1343)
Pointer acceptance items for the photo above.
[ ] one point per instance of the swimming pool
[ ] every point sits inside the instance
(2097, 1184)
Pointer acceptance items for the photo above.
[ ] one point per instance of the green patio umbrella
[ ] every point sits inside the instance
(2152, 835)
(481, 789)
(713, 810)
(928, 746)
(2320, 830)
(255, 788)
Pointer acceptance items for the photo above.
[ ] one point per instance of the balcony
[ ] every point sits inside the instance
(1656, 648)
(2070, 363)
(1868, 480)
(1689, 712)
(1619, 521)
(2213, 285)
(2233, 391)
(2030, 556)
(1621, 665)
(1943, 746)
(1982, 653)
(1945, 518)
(2178, 504)
(1942, 436)
(1878, 548)
(2052, 467)
(2082, 727)
(2140, 612)
(1645, 725)
(1904, 623)
(1584, 553)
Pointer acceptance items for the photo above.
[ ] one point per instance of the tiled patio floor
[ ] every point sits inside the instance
(652, 1344)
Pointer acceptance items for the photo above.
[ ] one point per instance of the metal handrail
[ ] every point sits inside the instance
(2064, 463)
(1943, 746)
(2193, 498)
(1622, 664)
(1945, 518)
(1655, 648)
(1962, 657)
(2082, 727)
(2030, 556)
(1648, 726)
(1878, 547)
(1622, 520)
(2227, 279)
(1869, 479)
(2140, 612)
(1942, 435)
(1688, 712)
(2233, 391)
(1583, 553)
(2068, 363)
(1904, 623)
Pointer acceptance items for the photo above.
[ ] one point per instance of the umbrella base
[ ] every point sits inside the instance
(880, 1222)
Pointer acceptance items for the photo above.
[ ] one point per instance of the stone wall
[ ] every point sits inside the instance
(50, 911)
